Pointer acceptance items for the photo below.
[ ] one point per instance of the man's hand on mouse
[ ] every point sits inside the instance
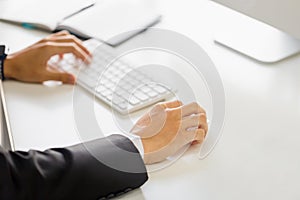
(168, 127)
(31, 64)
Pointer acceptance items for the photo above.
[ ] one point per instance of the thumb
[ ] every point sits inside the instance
(60, 76)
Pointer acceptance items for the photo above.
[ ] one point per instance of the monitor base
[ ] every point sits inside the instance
(255, 39)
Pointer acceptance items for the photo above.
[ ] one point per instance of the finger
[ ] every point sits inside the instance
(200, 135)
(60, 33)
(170, 104)
(54, 48)
(203, 122)
(173, 104)
(196, 136)
(61, 56)
(54, 68)
(192, 108)
(70, 39)
(192, 121)
(59, 76)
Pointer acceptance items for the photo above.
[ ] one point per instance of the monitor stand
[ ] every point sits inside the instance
(254, 38)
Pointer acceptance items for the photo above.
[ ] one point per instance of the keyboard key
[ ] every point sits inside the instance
(122, 92)
(145, 89)
(133, 100)
(110, 77)
(152, 93)
(87, 80)
(94, 76)
(69, 56)
(112, 71)
(138, 94)
(65, 66)
(109, 96)
(160, 89)
(115, 79)
(105, 92)
(127, 86)
(122, 106)
(100, 88)
(54, 59)
(127, 70)
(118, 100)
(122, 66)
(110, 85)
(136, 83)
(117, 83)
(131, 81)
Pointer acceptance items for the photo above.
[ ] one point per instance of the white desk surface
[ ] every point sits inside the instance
(257, 156)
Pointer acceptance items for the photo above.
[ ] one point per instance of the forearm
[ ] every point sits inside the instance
(73, 172)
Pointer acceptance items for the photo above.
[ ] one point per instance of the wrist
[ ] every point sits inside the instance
(153, 144)
(8, 66)
(152, 154)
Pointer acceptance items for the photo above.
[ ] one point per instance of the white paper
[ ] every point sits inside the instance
(109, 18)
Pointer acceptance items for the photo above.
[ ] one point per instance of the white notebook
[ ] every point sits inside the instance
(102, 19)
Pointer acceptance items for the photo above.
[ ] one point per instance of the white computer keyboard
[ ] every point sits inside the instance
(119, 84)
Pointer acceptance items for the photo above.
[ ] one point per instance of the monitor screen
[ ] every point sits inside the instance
(281, 14)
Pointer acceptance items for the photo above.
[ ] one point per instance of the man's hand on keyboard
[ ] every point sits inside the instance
(168, 127)
(31, 64)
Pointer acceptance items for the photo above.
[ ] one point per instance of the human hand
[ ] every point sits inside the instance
(31, 63)
(169, 126)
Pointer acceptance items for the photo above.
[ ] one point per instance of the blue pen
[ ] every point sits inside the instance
(28, 26)
(32, 26)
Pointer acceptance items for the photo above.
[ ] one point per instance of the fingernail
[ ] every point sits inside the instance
(88, 60)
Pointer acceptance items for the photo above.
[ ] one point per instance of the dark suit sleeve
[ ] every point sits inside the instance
(98, 169)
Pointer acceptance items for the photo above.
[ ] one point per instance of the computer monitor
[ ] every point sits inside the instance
(269, 33)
